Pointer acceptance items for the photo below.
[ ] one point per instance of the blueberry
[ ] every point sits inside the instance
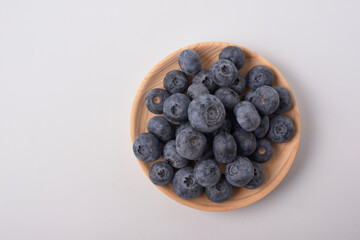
(207, 172)
(147, 147)
(190, 143)
(228, 97)
(171, 156)
(247, 116)
(204, 77)
(220, 192)
(197, 89)
(249, 96)
(189, 61)
(161, 128)
(233, 54)
(184, 184)
(259, 76)
(245, 141)
(259, 176)
(266, 100)
(264, 151)
(226, 127)
(176, 81)
(161, 173)
(263, 128)
(239, 85)
(281, 129)
(176, 108)
(206, 113)
(239, 172)
(155, 99)
(208, 152)
(225, 148)
(224, 73)
(285, 100)
(181, 127)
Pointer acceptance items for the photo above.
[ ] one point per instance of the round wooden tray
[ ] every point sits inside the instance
(284, 153)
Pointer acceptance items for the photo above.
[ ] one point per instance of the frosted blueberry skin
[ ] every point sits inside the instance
(228, 97)
(189, 61)
(204, 77)
(197, 89)
(239, 172)
(184, 184)
(190, 143)
(181, 127)
(259, 76)
(171, 156)
(224, 147)
(264, 151)
(245, 141)
(249, 96)
(233, 54)
(266, 100)
(220, 192)
(207, 172)
(263, 128)
(154, 100)
(285, 100)
(161, 173)
(281, 129)
(176, 108)
(259, 176)
(239, 85)
(161, 128)
(206, 113)
(224, 73)
(147, 147)
(247, 116)
(176, 81)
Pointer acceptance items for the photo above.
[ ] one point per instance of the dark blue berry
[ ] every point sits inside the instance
(190, 143)
(266, 100)
(207, 172)
(206, 113)
(239, 172)
(281, 129)
(245, 141)
(224, 147)
(259, 76)
(176, 108)
(147, 147)
(247, 116)
(184, 184)
(285, 100)
(155, 99)
(263, 128)
(259, 176)
(181, 127)
(233, 54)
(239, 85)
(264, 151)
(204, 77)
(189, 61)
(171, 156)
(197, 89)
(228, 97)
(224, 73)
(176, 81)
(161, 128)
(220, 192)
(161, 173)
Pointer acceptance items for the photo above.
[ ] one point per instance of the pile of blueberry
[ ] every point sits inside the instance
(205, 124)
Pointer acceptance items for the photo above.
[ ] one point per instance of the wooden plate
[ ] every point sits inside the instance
(284, 153)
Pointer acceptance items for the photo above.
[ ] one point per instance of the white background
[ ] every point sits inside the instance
(69, 71)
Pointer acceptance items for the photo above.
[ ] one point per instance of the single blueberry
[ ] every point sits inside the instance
(161, 128)
(220, 192)
(171, 156)
(189, 61)
(147, 147)
(176, 108)
(190, 143)
(239, 172)
(206, 113)
(197, 89)
(245, 141)
(239, 85)
(204, 77)
(233, 54)
(249, 96)
(224, 147)
(155, 99)
(228, 97)
(285, 100)
(263, 128)
(161, 173)
(184, 184)
(247, 116)
(281, 129)
(259, 76)
(264, 151)
(176, 81)
(181, 127)
(224, 73)
(259, 176)
(207, 172)
(266, 100)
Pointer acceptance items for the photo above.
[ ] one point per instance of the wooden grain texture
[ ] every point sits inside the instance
(284, 153)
